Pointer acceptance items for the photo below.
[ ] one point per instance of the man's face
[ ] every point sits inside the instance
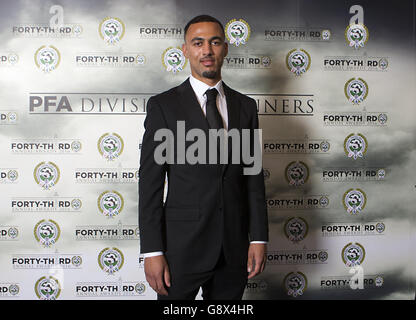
(205, 48)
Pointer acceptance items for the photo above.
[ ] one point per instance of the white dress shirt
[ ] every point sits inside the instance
(200, 88)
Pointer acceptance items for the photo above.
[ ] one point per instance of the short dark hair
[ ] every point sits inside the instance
(203, 18)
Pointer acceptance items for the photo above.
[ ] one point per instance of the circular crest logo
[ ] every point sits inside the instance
(110, 260)
(355, 146)
(354, 200)
(47, 232)
(13, 232)
(326, 34)
(356, 35)
(237, 31)
(46, 174)
(13, 58)
(382, 118)
(266, 61)
(47, 288)
(298, 61)
(77, 30)
(12, 175)
(47, 58)
(14, 289)
(297, 173)
(353, 254)
(12, 117)
(381, 174)
(76, 146)
(356, 90)
(324, 201)
(76, 204)
(323, 256)
(110, 146)
(296, 229)
(324, 146)
(76, 261)
(295, 283)
(380, 227)
(140, 288)
(140, 59)
(173, 59)
(110, 203)
(111, 30)
(379, 281)
(383, 63)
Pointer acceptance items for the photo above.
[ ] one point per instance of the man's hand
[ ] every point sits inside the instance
(157, 273)
(256, 259)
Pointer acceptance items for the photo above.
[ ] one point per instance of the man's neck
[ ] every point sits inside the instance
(208, 81)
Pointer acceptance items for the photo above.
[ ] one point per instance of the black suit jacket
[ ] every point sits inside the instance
(208, 206)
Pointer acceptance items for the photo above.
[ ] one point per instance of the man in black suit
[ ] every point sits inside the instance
(212, 230)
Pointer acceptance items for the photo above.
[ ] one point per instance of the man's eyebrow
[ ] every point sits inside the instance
(196, 39)
(200, 38)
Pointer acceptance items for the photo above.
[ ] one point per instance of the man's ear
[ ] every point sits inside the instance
(226, 48)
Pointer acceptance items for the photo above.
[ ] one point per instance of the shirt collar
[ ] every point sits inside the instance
(200, 87)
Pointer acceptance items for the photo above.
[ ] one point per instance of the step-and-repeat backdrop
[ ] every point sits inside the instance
(335, 86)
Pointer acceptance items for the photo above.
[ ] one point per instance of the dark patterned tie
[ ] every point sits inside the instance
(213, 116)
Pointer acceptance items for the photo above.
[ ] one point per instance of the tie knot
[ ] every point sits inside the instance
(211, 94)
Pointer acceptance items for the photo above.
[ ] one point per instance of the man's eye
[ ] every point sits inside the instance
(198, 44)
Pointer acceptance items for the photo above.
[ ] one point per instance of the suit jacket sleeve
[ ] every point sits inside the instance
(151, 184)
(258, 222)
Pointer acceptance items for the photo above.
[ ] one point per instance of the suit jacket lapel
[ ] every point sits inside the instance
(233, 108)
(192, 108)
(196, 117)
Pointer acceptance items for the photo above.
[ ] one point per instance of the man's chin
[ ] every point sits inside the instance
(209, 74)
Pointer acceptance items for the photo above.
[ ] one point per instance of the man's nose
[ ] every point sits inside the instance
(207, 48)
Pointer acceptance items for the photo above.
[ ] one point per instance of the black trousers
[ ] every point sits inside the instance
(224, 282)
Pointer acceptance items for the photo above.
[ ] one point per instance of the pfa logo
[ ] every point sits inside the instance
(47, 232)
(355, 146)
(354, 200)
(110, 146)
(353, 254)
(47, 288)
(356, 90)
(140, 288)
(111, 30)
(326, 34)
(47, 58)
(76, 146)
(110, 203)
(12, 175)
(76, 204)
(13, 233)
(298, 61)
(46, 174)
(173, 59)
(356, 35)
(325, 146)
(295, 283)
(237, 32)
(14, 289)
(110, 260)
(296, 229)
(297, 173)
